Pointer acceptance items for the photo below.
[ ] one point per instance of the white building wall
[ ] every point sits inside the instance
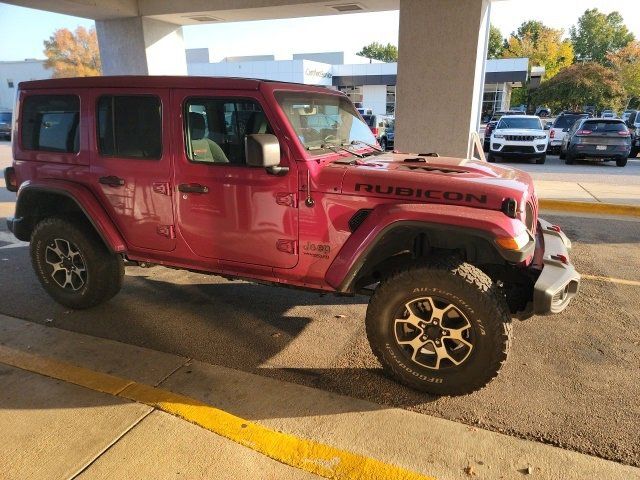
(375, 98)
(18, 72)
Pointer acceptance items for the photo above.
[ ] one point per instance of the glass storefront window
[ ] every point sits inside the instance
(391, 99)
(354, 93)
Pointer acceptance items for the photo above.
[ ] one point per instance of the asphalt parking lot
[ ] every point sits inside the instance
(571, 380)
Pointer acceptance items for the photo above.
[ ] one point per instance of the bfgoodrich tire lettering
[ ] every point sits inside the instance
(469, 291)
(103, 271)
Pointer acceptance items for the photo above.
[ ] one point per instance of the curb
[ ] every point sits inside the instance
(588, 207)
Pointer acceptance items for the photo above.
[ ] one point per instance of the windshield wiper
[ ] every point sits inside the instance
(375, 147)
(335, 148)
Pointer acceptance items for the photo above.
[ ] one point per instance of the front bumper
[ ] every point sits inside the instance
(559, 281)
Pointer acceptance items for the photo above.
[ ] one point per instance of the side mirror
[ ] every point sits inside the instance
(263, 150)
(547, 126)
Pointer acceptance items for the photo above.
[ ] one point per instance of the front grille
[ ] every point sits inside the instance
(519, 138)
(518, 149)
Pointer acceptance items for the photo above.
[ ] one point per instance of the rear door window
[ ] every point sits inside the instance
(51, 123)
(130, 126)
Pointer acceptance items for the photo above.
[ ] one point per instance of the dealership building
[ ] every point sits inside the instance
(368, 83)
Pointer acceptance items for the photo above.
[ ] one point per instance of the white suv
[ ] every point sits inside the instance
(518, 136)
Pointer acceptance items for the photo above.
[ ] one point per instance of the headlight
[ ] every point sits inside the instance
(498, 135)
(541, 137)
(514, 243)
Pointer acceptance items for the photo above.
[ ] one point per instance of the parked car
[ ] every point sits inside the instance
(633, 124)
(560, 127)
(5, 125)
(608, 114)
(492, 124)
(387, 140)
(519, 136)
(605, 139)
(543, 112)
(448, 249)
(626, 114)
(379, 125)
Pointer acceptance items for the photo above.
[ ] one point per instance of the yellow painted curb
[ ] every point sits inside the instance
(587, 207)
(320, 459)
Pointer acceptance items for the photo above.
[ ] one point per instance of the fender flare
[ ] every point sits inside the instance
(82, 197)
(484, 224)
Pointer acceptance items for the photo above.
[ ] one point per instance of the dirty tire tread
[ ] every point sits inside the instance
(487, 295)
(108, 267)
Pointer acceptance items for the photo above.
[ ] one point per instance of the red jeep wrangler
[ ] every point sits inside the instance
(283, 184)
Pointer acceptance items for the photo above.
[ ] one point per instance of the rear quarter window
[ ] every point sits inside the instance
(51, 123)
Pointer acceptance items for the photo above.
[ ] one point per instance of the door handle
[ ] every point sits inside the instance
(193, 188)
(112, 181)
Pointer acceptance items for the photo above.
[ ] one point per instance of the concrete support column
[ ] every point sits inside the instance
(141, 46)
(442, 51)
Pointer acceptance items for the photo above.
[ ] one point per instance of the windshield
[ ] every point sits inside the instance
(5, 117)
(566, 121)
(513, 122)
(323, 120)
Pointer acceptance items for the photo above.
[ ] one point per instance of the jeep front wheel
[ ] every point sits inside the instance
(439, 327)
(73, 264)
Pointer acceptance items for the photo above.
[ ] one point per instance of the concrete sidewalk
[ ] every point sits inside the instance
(54, 429)
(588, 192)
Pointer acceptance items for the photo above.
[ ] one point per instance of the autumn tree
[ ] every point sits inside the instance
(542, 45)
(581, 84)
(626, 63)
(597, 34)
(73, 54)
(496, 43)
(376, 51)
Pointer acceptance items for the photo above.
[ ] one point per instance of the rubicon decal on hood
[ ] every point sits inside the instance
(421, 193)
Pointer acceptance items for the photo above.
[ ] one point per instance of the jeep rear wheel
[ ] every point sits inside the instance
(73, 264)
(439, 327)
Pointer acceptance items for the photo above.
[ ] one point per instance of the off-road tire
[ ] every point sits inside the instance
(383, 144)
(541, 160)
(473, 293)
(621, 162)
(104, 270)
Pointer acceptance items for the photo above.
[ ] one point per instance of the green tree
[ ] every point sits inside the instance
(376, 51)
(597, 34)
(532, 29)
(626, 63)
(73, 54)
(496, 43)
(581, 84)
(542, 45)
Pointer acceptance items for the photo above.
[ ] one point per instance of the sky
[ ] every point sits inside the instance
(24, 30)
